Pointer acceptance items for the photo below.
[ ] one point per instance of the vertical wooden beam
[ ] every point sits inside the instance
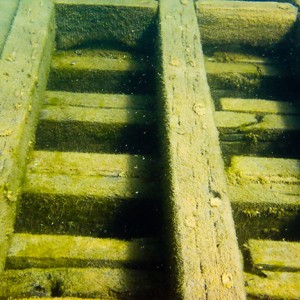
(24, 67)
(207, 259)
(7, 13)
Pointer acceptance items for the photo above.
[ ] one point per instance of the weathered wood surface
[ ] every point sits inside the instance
(99, 100)
(24, 65)
(277, 285)
(102, 71)
(101, 283)
(259, 106)
(260, 24)
(206, 257)
(7, 13)
(57, 251)
(275, 255)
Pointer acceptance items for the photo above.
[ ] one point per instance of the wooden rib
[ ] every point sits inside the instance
(258, 106)
(275, 255)
(257, 24)
(53, 251)
(100, 71)
(87, 164)
(276, 285)
(60, 98)
(104, 283)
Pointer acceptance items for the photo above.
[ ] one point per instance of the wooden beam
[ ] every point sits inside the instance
(7, 13)
(101, 283)
(58, 251)
(260, 24)
(24, 67)
(205, 252)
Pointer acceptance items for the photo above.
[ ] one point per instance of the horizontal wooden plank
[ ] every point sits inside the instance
(266, 169)
(105, 101)
(97, 60)
(53, 251)
(262, 24)
(258, 106)
(275, 255)
(99, 187)
(130, 23)
(268, 80)
(108, 203)
(96, 137)
(251, 146)
(87, 164)
(116, 116)
(104, 283)
(238, 126)
(265, 210)
(263, 194)
(103, 71)
(277, 285)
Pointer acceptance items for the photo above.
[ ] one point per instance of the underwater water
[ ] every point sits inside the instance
(149, 149)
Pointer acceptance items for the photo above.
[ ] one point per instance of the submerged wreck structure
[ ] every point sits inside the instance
(149, 149)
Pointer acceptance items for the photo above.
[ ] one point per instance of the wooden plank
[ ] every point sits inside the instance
(103, 283)
(106, 101)
(96, 70)
(87, 164)
(236, 126)
(89, 194)
(260, 24)
(269, 78)
(266, 169)
(51, 251)
(277, 285)
(24, 67)
(107, 130)
(265, 210)
(197, 200)
(130, 23)
(7, 13)
(115, 116)
(260, 106)
(264, 193)
(275, 255)
(251, 146)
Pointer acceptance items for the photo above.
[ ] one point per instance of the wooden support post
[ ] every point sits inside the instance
(205, 250)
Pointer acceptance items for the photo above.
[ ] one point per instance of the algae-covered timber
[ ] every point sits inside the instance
(24, 67)
(195, 176)
(129, 23)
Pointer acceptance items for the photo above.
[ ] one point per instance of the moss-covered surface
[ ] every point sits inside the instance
(279, 256)
(265, 197)
(53, 251)
(124, 101)
(94, 70)
(7, 13)
(101, 283)
(248, 23)
(260, 106)
(128, 23)
(274, 285)
(197, 208)
(24, 66)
